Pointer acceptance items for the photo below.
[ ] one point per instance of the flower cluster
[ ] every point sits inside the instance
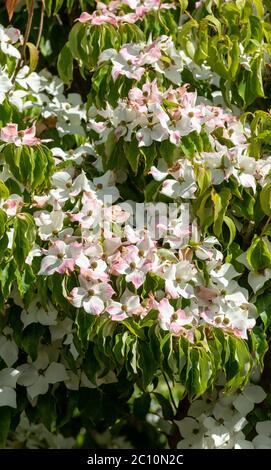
(222, 164)
(218, 421)
(86, 235)
(10, 134)
(133, 60)
(36, 436)
(154, 116)
(114, 12)
(9, 37)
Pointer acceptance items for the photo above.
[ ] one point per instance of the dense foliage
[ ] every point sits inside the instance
(118, 330)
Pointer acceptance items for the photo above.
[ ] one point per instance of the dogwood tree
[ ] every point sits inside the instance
(135, 254)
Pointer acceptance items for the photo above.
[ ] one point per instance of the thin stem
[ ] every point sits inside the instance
(266, 224)
(59, 20)
(26, 37)
(170, 392)
(249, 230)
(188, 14)
(41, 24)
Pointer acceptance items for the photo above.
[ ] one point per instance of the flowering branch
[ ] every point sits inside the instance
(25, 41)
(41, 24)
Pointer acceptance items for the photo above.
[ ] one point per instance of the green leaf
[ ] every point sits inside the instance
(170, 365)
(5, 421)
(96, 39)
(216, 57)
(234, 67)
(3, 219)
(168, 151)
(199, 371)
(4, 192)
(142, 406)
(258, 254)
(183, 5)
(33, 56)
(4, 241)
(232, 229)
(132, 154)
(203, 178)
(152, 190)
(202, 50)
(12, 158)
(134, 328)
(48, 6)
(263, 304)
(26, 164)
(259, 345)
(205, 211)
(42, 168)
(84, 323)
(46, 406)
(265, 199)
(52, 6)
(238, 363)
(7, 276)
(131, 355)
(165, 405)
(24, 237)
(254, 87)
(146, 363)
(25, 281)
(149, 154)
(119, 347)
(91, 365)
(78, 43)
(31, 339)
(221, 202)
(65, 64)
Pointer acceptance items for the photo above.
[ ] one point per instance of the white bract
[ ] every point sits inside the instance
(8, 380)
